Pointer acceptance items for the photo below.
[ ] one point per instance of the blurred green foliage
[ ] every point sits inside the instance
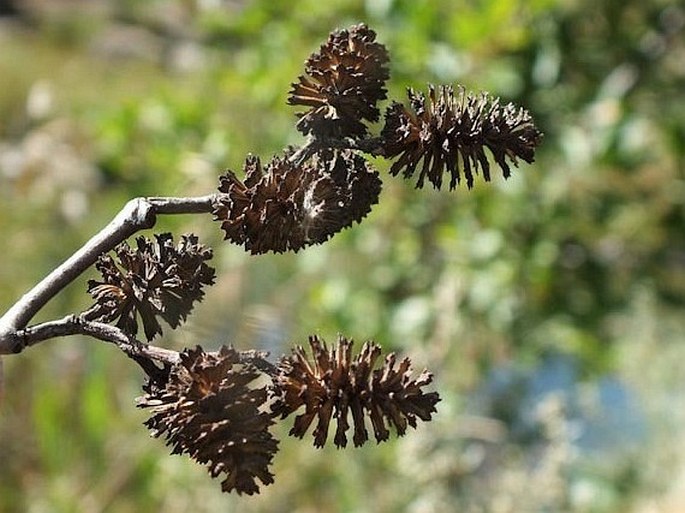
(580, 256)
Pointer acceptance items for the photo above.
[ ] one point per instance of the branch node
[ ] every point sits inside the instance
(139, 212)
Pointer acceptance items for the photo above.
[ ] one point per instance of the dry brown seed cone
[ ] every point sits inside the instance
(157, 279)
(334, 385)
(445, 128)
(207, 407)
(284, 207)
(342, 84)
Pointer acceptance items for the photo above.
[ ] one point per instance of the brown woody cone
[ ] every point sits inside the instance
(157, 279)
(333, 385)
(205, 407)
(342, 84)
(284, 207)
(443, 129)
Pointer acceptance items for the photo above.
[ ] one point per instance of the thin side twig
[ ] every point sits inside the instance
(77, 325)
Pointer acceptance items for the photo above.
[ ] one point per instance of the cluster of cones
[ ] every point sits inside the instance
(287, 205)
(215, 406)
(210, 405)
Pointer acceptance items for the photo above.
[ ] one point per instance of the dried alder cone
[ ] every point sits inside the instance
(342, 84)
(157, 279)
(207, 406)
(284, 207)
(334, 385)
(443, 129)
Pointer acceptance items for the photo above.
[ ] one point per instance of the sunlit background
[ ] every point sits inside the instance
(549, 306)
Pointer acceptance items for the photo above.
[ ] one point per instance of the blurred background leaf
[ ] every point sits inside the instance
(550, 306)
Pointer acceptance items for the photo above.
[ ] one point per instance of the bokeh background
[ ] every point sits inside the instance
(549, 306)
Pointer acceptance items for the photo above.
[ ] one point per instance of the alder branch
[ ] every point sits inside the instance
(215, 406)
(82, 325)
(78, 325)
(138, 214)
